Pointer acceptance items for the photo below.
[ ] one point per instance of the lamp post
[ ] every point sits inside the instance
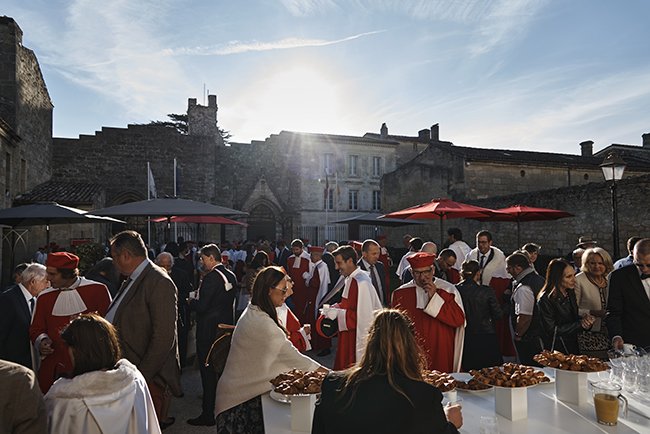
(613, 167)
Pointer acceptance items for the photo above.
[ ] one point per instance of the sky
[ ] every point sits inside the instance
(539, 75)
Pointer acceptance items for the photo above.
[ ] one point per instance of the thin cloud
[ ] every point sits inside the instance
(237, 47)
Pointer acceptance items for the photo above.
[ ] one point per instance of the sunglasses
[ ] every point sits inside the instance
(641, 265)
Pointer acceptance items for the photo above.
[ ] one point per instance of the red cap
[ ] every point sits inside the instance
(357, 245)
(225, 258)
(316, 249)
(62, 260)
(421, 260)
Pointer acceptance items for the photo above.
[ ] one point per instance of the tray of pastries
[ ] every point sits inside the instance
(296, 383)
(441, 380)
(472, 385)
(510, 375)
(570, 362)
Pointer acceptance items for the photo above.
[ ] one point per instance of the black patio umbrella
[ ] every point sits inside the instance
(374, 220)
(168, 207)
(48, 213)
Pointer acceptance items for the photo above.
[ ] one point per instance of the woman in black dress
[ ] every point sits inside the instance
(481, 348)
(385, 392)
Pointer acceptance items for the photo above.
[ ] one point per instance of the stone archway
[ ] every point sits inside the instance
(261, 223)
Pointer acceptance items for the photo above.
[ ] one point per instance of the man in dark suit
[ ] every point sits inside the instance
(328, 258)
(16, 307)
(628, 306)
(283, 254)
(144, 312)
(213, 306)
(18, 273)
(369, 261)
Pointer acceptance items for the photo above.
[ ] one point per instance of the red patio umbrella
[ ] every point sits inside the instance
(440, 209)
(200, 219)
(523, 213)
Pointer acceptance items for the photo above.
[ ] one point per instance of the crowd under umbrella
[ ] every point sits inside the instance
(372, 219)
(200, 220)
(440, 209)
(523, 213)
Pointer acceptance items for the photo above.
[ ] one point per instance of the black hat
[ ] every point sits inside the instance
(327, 327)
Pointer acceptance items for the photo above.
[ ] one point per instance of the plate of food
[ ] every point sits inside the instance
(570, 362)
(443, 381)
(510, 375)
(296, 383)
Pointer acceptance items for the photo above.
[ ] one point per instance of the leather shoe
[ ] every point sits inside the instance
(202, 421)
(167, 423)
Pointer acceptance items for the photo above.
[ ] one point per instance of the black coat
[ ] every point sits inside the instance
(14, 327)
(378, 408)
(628, 307)
(331, 267)
(214, 306)
(382, 280)
(481, 307)
(560, 313)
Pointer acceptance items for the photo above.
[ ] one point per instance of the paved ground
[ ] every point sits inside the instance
(189, 406)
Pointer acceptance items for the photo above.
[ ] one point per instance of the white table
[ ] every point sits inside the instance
(546, 415)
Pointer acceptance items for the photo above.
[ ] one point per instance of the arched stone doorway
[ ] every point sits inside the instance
(261, 223)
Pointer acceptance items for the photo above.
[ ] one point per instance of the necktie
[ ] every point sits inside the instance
(644, 276)
(31, 305)
(119, 293)
(481, 264)
(373, 278)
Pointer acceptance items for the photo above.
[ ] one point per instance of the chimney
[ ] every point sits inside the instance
(191, 102)
(646, 140)
(435, 133)
(212, 100)
(424, 136)
(383, 132)
(587, 148)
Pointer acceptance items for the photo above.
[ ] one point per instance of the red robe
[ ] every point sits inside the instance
(291, 323)
(318, 342)
(96, 298)
(355, 315)
(438, 335)
(502, 326)
(300, 295)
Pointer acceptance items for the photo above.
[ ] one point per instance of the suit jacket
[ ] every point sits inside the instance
(146, 323)
(384, 297)
(331, 266)
(14, 327)
(22, 409)
(281, 259)
(378, 408)
(214, 306)
(628, 307)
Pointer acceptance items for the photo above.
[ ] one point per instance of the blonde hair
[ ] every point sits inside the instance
(607, 260)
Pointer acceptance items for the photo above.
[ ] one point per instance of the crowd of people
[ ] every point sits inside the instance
(107, 349)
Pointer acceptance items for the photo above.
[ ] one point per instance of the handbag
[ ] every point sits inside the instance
(220, 348)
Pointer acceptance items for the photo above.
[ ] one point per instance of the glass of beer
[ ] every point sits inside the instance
(607, 397)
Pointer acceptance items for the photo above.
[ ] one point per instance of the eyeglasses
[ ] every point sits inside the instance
(641, 265)
(422, 273)
(284, 290)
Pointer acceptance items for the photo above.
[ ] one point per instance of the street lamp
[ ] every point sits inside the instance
(613, 167)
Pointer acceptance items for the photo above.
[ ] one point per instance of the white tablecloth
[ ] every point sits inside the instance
(546, 415)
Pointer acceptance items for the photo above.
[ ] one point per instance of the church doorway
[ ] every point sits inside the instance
(261, 223)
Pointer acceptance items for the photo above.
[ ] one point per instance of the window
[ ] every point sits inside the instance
(354, 163)
(353, 199)
(328, 199)
(328, 161)
(376, 166)
(376, 200)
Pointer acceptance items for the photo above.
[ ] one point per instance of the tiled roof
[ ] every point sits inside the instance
(338, 137)
(64, 193)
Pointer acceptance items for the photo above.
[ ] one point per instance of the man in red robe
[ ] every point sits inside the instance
(297, 269)
(69, 296)
(436, 308)
(318, 283)
(355, 312)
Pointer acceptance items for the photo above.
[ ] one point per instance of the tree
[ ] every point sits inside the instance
(179, 123)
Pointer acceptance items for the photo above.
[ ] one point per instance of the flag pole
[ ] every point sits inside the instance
(148, 198)
(175, 224)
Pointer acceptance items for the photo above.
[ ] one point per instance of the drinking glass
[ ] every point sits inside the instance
(616, 362)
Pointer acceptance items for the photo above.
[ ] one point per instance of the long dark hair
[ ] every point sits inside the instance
(94, 343)
(266, 279)
(554, 275)
(391, 350)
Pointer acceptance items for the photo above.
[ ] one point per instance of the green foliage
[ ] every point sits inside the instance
(179, 123)
(89, 254)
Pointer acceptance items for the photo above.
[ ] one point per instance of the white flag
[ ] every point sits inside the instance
(151, 183)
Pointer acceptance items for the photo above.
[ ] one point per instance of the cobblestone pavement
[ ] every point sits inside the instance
(189, 406)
